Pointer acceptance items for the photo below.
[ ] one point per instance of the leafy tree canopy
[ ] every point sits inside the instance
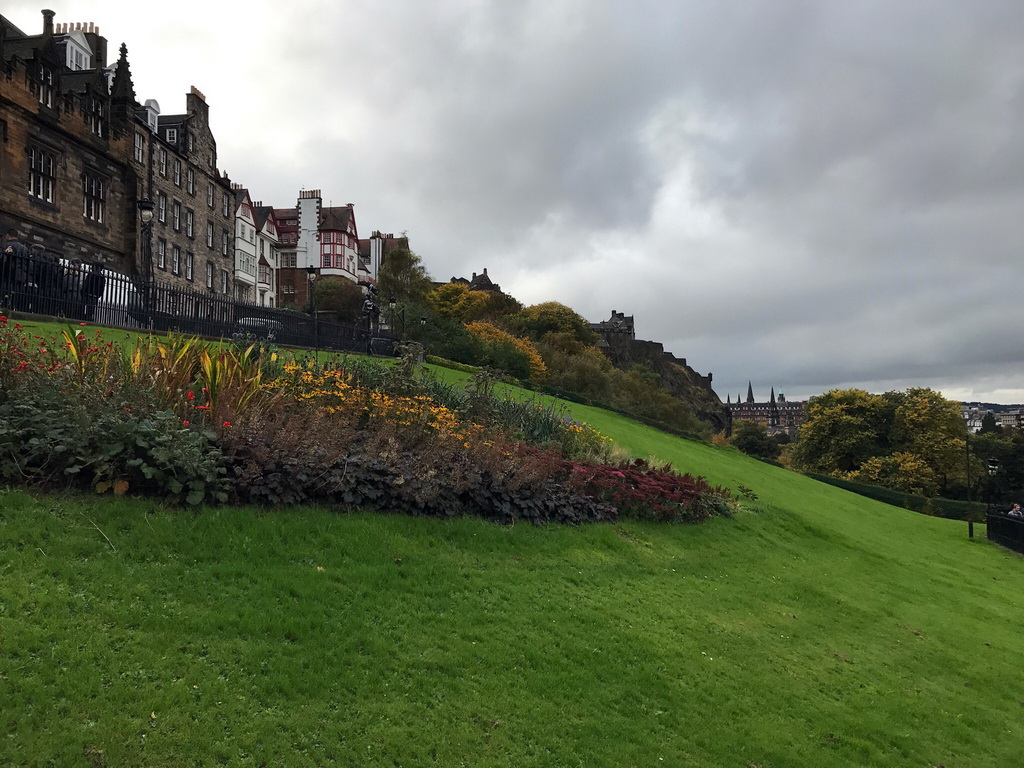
(455, 301)
(336, 294)
(752, 438)
(551, 317)
(844, 428)
(403, 278)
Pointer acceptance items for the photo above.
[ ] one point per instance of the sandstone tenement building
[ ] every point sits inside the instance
(79, 152)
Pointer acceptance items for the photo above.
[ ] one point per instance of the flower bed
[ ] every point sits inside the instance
(195, 423)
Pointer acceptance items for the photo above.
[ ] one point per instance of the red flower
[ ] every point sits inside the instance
(191, 395)
(185, 423)
(83, 324)
(227, 423)
(203, 407)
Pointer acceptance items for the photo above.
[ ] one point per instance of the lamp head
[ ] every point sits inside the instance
(145, 206)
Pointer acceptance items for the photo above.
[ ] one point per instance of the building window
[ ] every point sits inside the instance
(190, 223)
(41, 174)
(97, 117)
(287, 288)
(209, 275)
(225, 240)
(224, 207)
(93, 197)
(176, 216)
(43, 85)
(161, 207)
(326, 261)
(140, 144)
(175, 260)
(223, 281)
(191, 181)
(162, 162)
(209, 194)
(161, 253)
(171, 135)
(209, 234)
(190, 260)
(264, 274)
(189, 140)
(177, 173)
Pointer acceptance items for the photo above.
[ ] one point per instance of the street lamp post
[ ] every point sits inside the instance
(311, 274)
(145, 206)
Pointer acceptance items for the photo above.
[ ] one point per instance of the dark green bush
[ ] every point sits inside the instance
(947, 508)
(78, 436)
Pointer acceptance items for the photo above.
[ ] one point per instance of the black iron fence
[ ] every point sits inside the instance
(1005, 529)
(44, 284)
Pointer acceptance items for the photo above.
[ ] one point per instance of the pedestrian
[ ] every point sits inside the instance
(48, 275)
(14, 272)
(72, 305)
(92, 289)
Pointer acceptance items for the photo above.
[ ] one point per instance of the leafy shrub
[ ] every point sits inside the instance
(306, 454)
(508, 350)
(75, 437)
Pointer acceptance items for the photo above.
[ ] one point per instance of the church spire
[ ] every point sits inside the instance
(750, 392)
(772, 401)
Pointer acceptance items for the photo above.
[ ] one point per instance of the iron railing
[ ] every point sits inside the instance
(42, 284)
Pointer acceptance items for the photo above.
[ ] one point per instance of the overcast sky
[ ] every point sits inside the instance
(807, 194)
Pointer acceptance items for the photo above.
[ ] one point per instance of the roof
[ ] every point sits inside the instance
(261, 213)
(336, 218)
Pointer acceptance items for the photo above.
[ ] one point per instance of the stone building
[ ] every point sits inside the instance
(778, 415)
(176, 158)
(67, 184)
(80, 152)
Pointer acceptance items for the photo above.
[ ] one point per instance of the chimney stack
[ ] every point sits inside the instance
(48, 22)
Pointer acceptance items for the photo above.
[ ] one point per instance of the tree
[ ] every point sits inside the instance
(403, 278)
(539, 320)
(456, 302)
(753, 439)
(336, 294)
(928, 425)
(989, 425)
(844, 428)
(900, 471)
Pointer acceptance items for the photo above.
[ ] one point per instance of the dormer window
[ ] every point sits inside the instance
(43, 85)
(171, 136)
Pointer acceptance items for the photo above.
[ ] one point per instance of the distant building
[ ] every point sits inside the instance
(778, 415)
(619, 324)
(479, 282)
(319, 241)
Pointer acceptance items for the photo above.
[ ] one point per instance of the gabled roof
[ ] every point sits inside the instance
(262, 214)
(337, 218)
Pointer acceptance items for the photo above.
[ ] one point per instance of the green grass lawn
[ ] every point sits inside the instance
(818, 629)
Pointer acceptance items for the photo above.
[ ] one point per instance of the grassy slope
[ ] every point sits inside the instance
(824, 630)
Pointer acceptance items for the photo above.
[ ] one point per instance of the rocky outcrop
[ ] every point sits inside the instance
(679, 379)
